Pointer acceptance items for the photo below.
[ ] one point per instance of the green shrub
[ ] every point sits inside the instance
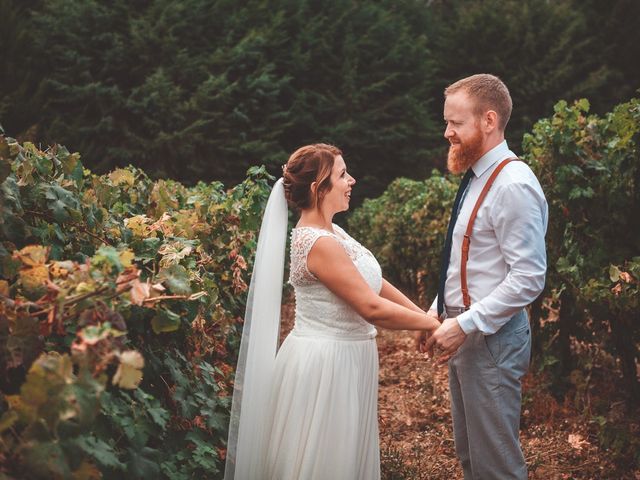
(589, 167)
(405, 228)
(120, 312)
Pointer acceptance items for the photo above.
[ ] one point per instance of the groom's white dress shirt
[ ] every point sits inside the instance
(507, 258)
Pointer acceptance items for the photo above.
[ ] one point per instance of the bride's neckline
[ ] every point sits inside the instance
(313, 227)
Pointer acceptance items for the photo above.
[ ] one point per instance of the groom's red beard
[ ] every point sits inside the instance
(463, 155)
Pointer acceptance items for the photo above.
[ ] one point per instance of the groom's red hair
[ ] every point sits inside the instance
(308, 164)
(488, 93)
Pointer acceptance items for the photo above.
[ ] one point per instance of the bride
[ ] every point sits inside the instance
(310, 411)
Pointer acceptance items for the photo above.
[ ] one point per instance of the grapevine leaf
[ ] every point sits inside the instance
(62, 203)
(129, 373)
(165, 321)
(177, 279)
(33, 255)
(100, 451)
(143, 463)
(121, 176)
(7, 420)
(139, 292)
(614, 273)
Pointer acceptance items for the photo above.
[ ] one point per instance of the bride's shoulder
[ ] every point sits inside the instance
(303, 238)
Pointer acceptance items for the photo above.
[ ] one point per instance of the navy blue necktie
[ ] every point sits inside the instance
(446, 252)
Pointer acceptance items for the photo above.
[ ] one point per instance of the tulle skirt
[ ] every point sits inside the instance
(324, 418)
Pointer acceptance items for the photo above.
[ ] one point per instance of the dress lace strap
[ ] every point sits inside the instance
(302, 240)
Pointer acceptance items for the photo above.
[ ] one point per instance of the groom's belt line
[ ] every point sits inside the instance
(454, 311)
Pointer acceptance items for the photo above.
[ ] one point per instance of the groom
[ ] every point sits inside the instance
(493, 266)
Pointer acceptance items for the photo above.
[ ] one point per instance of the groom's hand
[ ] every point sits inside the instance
(447, 339)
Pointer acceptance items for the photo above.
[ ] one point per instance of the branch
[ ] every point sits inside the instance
(79, 226)
(166, 297)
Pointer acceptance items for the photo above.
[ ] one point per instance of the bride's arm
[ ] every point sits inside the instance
(390, 292)
(331, 265)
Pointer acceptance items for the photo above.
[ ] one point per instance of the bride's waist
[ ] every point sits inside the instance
(305, 331)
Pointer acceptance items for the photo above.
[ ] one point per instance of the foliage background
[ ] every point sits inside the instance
(232, 84)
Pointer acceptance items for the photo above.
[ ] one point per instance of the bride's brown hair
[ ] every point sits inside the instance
(308, 164)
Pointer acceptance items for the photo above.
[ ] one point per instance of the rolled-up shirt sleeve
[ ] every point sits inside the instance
(519, 216)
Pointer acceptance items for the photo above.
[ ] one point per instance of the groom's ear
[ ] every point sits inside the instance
(490, 121)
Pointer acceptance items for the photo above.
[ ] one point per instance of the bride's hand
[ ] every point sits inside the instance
(421, 337)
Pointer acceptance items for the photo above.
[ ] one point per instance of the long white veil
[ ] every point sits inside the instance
(246, 441)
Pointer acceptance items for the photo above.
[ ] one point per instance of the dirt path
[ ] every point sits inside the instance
(416, 439)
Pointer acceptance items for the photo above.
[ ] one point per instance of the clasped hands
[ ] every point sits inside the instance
(443, 341)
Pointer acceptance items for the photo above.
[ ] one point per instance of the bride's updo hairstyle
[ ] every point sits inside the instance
(308, 164)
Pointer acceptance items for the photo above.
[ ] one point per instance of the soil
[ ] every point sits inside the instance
(416, 432)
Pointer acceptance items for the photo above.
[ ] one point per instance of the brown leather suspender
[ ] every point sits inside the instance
(466, 241)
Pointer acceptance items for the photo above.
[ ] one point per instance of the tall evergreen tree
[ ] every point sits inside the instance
(199, 89)
(543, 51)
(361, 78)
(19, 70)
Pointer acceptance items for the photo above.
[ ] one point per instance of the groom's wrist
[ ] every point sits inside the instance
(465, 320)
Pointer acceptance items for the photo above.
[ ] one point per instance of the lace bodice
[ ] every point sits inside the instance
(318, 310)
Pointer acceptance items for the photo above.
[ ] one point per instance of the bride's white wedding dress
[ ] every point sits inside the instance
(323, 406)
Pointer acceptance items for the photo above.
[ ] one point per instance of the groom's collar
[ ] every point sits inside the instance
(499, 152)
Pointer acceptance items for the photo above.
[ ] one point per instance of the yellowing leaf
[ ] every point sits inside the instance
(126, 257)
(121, 176)
(129, 373)
(614, 273)
(162, 197)
(138, 225)
(4, 288)
(70, 162)
(60, 269)
(139, 292)
(84, 287)
(33, 255)
(34, 278)
(171, 255)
